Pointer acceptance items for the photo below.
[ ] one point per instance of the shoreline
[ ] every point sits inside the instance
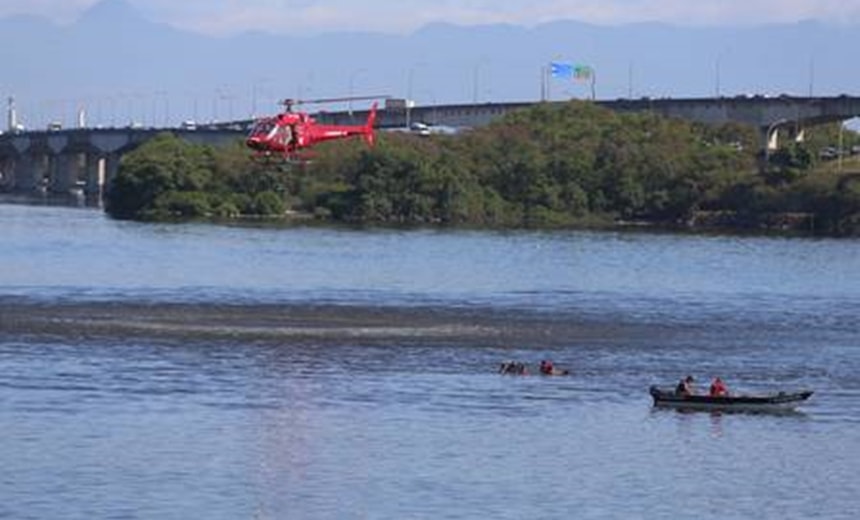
(781, 224)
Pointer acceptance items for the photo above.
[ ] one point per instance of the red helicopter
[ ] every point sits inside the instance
(288, 133)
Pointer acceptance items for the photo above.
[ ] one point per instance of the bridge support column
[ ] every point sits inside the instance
(111, 167)
(771, 139)
(44, 167)
(95, 176)
(798, 135)
(7, 173)
(79, 165)
(28, 173)
(95, 179)
(63, 173)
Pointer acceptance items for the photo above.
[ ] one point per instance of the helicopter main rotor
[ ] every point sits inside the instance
(289, 103)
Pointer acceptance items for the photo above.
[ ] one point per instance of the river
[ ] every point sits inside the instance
(214, 371)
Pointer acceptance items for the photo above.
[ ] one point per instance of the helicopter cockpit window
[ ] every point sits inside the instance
(263, 128)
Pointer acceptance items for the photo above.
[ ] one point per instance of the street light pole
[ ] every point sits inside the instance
(593, 82)
(475, 83)
(352, 76)
(429, 95)
(259, 92)
(409, 97)
(630, 80)
(717, 77)
(476, 69)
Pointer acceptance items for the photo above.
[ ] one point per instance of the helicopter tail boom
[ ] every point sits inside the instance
(369, 137)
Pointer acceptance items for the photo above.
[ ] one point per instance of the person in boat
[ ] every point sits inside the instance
(718, 388)
(685, 386)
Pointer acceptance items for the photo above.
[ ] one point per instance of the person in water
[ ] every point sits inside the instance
(718, 388)
(548, 369)
(685, 386)
(510, 367)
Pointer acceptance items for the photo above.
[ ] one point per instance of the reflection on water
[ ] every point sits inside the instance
(154, 371)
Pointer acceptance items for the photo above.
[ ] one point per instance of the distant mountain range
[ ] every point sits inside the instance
(123, 67)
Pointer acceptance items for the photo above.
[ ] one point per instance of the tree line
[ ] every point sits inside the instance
(571, 165)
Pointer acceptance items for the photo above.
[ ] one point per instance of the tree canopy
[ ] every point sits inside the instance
(548, 165)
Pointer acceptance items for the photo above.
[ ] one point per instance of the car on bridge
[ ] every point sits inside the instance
(419, 128)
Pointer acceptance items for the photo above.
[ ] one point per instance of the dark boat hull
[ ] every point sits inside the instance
(772, 402)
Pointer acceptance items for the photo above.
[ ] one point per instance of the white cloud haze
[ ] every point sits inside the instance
(314, 16)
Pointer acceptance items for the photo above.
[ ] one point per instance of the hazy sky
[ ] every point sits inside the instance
(312, 16)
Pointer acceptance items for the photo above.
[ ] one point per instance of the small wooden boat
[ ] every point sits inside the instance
(780, 401)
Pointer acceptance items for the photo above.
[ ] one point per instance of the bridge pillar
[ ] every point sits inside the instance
(7, 173)
(798, 135)
(28, 173)
(111, 168)
(772, 139)
(95, 175)
(63, 174)
(78, 170)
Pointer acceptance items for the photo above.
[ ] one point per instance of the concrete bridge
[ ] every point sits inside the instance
(88, 158)
(770, 115)
(62, 161)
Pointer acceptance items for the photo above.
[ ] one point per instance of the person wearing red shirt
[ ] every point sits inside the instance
(718, 388)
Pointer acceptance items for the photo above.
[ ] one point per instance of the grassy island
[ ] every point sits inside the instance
(575, 165)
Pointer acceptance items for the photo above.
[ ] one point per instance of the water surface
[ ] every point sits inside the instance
(176, 371)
